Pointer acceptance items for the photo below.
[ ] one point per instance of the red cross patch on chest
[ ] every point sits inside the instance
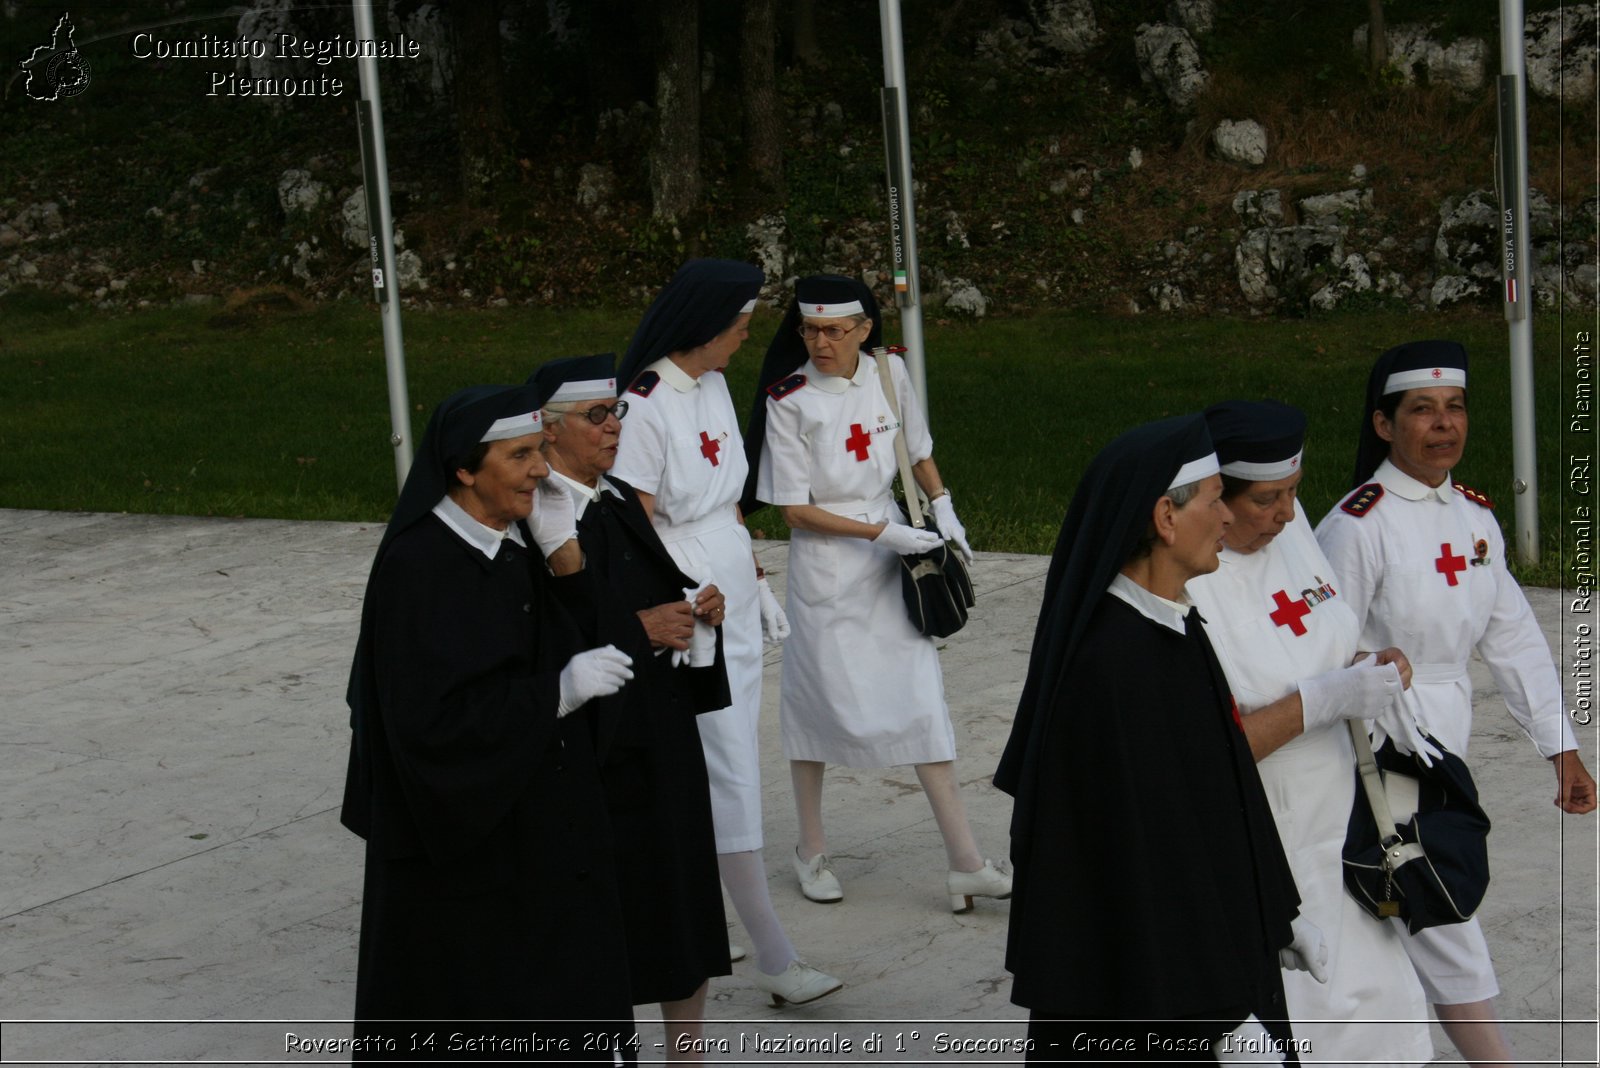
(1448, 564)
(857, 442)
(1288, 612)
(710, 448)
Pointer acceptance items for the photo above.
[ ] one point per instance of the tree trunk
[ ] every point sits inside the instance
(806, 51)
(483, 134)
(763, 125)
(1377, 38)
(675, 155)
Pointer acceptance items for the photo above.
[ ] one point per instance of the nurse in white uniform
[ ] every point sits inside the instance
(1277, 617)
(861, 687)
(681, 450)
(1423, 564)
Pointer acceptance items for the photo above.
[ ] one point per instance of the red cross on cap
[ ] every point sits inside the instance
(1438, 373)
(1295, 462)
(819, 307)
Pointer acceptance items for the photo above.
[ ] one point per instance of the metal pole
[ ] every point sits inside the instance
(380, 230)
(1518, 295)
(902, 213)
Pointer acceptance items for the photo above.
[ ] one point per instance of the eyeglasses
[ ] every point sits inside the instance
(600, 412)
(832, 333)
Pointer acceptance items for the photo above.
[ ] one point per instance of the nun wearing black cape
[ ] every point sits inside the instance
(1151, 892)
(652, 766)
(489, 893)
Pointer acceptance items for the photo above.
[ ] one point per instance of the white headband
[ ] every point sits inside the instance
(1269, 471)
(1195, 470)
(832, 311)
(1424, 377)
(593, 389)
(512, 426)
(749, 307)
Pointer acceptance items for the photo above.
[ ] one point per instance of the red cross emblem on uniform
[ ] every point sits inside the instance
(709, 448)
(1289, 612)
(1449, 563)
(857, 442)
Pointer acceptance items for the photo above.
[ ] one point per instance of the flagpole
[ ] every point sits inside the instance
(902, 212)
(1518, 293)
(380, 241)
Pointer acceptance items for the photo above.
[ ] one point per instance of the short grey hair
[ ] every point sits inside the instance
(1182, 495)
(555, 413)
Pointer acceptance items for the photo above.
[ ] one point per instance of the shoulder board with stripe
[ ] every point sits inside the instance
(1361, 501)
(780, 390)
(1473, 495)
(645, 383)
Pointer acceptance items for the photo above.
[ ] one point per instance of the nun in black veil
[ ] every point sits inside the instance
(1152, 896)
(489, 893)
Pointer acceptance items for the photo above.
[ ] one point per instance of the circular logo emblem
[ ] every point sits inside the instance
(1438, 373)
(68, 74)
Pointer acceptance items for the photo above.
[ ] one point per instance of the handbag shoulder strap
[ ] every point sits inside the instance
(1372, 783)
(908, 484)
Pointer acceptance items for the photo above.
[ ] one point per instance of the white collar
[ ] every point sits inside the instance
(485, 539)
(673, 375)
(582, 496)
(838, 383)
(1403, 485)
(1152, 606)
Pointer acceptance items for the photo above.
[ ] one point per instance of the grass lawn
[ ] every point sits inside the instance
(276, 409)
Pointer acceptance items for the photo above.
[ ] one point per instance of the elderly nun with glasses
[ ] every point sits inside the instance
(652, 766)
(490, 892)
(861, 686)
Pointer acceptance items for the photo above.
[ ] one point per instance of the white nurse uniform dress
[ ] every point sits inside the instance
(681, 443)
(1274, 617)
(1424, 569)
(860, 687)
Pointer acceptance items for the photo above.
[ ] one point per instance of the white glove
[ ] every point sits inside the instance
(1249, 1043)
(906, 541)
(1355, 692)
(944, 514)
(554, 521)
(774, 621)
(1308, 952)
(593, 673)
(1398, 720)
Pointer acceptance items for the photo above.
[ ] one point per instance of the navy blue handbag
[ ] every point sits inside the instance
(1433, 868)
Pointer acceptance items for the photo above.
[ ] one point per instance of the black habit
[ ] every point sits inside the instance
(652, 765)
(1150, 883)
(489, 892)
(1155, 888)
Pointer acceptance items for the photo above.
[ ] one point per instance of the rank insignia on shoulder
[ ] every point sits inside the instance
(1361, 501)
(1473, 495)
(781, 389)
(645, 383)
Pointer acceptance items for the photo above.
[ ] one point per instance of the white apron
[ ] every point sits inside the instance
(860, 686)
(673, 432)
(1274, 617)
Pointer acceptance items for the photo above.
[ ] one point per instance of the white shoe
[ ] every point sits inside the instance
(991, 880)
(796, 984)
(817, 880)
(735, 952)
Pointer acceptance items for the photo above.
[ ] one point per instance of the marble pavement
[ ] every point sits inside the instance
(175, 886)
